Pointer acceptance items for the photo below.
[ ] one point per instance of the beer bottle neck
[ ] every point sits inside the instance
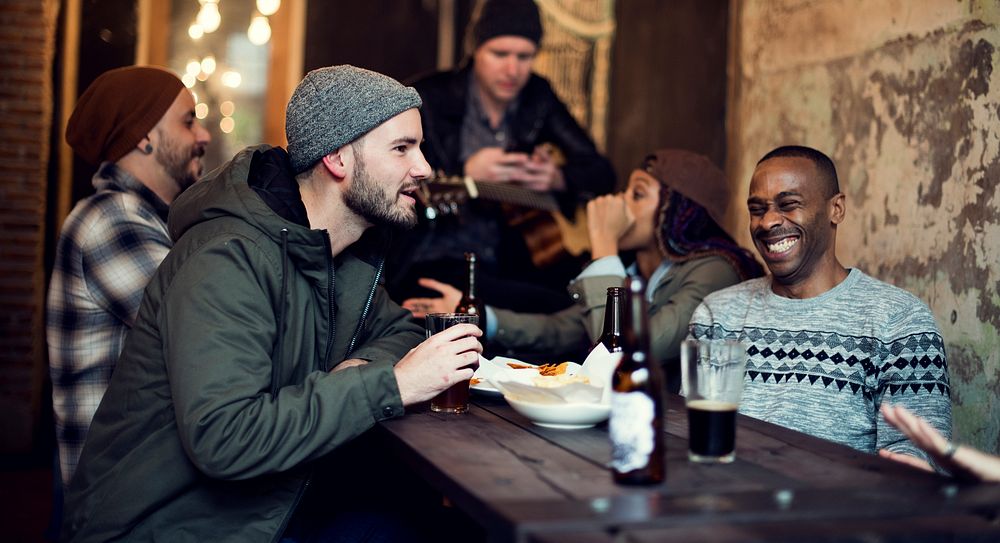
(470, 284)
(635, 333)
(613, 314)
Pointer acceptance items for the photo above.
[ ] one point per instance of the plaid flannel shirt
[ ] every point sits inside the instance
(108, 249)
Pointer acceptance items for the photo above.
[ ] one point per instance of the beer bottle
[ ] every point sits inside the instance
(611, 336)
(636, 425)
(470, 304)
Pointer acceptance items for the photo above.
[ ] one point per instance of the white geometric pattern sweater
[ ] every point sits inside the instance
(824, 365)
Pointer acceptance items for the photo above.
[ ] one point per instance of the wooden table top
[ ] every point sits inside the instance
(522, 482)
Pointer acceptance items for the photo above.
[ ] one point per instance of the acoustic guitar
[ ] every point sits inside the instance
(548, 234)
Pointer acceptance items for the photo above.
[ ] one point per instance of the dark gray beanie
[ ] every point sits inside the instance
(336, 105)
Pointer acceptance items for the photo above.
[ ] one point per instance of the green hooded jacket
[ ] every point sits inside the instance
(223, 397)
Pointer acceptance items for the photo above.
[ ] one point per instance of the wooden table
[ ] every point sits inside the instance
(525, 483)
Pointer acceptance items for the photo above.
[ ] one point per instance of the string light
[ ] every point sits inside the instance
(209, 17)
(231, 79)
(208, 64)
(227, 108)
(268, 7)
(260, 31)
(192, 67)
(227, 124)
(196, 31)
(188, 80)
(201, 110)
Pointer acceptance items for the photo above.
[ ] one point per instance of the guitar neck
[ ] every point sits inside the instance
(513, 195)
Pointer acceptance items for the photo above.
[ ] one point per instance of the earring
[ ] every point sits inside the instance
(148, 148)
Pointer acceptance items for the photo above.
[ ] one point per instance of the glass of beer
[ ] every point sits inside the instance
(712, 384)
(456, 398)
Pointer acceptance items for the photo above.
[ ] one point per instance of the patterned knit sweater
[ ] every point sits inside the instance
(825, 365)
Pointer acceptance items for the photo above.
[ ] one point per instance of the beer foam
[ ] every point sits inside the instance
(712, 405)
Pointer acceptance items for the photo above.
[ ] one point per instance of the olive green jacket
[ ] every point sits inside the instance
(674, 300)
(223, 395)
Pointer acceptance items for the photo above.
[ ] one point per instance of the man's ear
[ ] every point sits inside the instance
(838, 209)
(145, 145)
(336, 163)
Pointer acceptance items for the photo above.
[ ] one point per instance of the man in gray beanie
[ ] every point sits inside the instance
(495, 120)
(265, 345)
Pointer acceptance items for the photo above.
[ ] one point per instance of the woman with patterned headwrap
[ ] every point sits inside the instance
(669, 216)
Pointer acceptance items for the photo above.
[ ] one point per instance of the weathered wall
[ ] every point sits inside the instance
(905, 97)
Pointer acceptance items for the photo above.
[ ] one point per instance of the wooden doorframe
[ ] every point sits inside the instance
(284, 69)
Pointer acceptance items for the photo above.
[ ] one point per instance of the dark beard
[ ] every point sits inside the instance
(369, 200)
(175, 160)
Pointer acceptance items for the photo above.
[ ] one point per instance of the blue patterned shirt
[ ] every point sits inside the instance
(109, 247)
(825, 365)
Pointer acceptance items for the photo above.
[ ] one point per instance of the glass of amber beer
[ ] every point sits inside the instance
(712, 380)
(456, 398)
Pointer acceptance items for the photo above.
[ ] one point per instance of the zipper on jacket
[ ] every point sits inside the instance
(291, 511)
(330, 298)
(280, 343)
(368, 305)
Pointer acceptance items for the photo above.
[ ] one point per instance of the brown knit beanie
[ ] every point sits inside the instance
(694, 176)
(118, 109)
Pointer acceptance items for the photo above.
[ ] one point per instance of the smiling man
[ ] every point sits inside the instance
(496, 121)
(265, 341)
(826, 345)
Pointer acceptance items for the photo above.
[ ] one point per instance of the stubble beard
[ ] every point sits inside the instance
(367, 198)
(176, 161)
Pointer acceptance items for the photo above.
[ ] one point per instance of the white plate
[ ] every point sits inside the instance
(564, 416)
(485, 388)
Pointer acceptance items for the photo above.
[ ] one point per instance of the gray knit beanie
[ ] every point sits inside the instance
(336, 105)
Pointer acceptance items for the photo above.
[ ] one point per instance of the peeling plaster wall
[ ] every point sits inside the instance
(905, 97)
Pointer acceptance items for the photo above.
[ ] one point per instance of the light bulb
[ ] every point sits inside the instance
(209, 17)
(268, 7)
(208, 64)
(231, 79)
(259, 31)
(196, 31)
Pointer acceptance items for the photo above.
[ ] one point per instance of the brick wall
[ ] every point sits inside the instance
(27, 45)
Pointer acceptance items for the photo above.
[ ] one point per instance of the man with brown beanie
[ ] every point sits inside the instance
(137, 125)
(265, 344)
(496, 121)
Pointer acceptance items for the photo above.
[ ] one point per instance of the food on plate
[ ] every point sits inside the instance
(550, 381)
(550, 370)
(516, 366)
(474, 381)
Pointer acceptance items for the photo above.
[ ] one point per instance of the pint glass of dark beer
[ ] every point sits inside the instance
(712, 384)
(456, 398)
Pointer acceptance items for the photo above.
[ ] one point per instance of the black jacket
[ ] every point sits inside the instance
(540, 118)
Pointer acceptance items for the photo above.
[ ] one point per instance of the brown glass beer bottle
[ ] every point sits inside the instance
(611, 336)
(636, 424)
(470, 304)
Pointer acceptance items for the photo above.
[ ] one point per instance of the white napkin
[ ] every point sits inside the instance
(598, 367)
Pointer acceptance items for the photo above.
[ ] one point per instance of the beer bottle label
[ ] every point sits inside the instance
(631, 429)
